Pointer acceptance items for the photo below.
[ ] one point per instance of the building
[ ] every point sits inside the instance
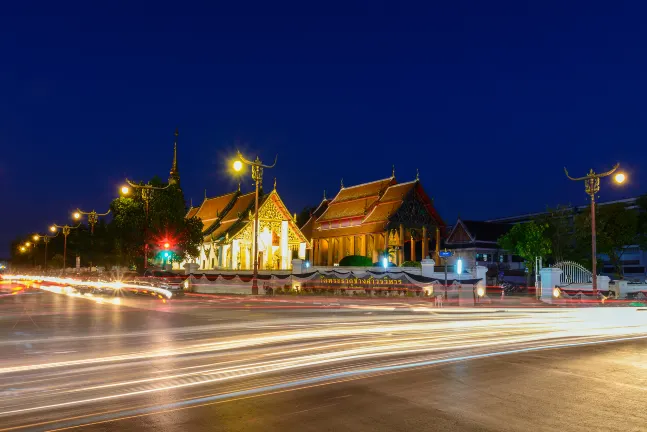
(228, 222)
(371, 218)
(476, 243)
(634, 259)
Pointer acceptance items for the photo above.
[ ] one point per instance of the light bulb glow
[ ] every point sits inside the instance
(620, 178)
(459, 266)
(238, 165)
(125, 190)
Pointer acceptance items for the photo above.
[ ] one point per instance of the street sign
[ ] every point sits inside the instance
(445, 254)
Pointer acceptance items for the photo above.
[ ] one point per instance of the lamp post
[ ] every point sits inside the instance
(65, 229)
(93, 217)
(257, 176)
(591, 187)
(46, 239)
(147, 194)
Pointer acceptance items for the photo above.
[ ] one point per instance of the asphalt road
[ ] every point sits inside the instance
(233, 363)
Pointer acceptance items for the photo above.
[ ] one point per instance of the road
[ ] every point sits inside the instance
(234, 363)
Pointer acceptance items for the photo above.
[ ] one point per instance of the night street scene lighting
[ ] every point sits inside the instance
(473, 288)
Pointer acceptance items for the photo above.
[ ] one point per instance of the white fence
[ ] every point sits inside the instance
(573, 273)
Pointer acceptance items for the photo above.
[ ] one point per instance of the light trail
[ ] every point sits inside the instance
(280, 354)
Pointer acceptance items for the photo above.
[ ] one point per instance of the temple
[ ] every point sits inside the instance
(380, 218)
(228, 222)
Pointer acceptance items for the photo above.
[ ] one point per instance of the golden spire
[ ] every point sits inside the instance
(324, 195)
(274, 183)
(342, 182)
(174, 177)
(393, 171)
(417, 175)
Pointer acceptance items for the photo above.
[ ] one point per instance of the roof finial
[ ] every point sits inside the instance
(274, 183)
(191, 203)
(205, 193)
(342, 182)
(324, 195)
(417, 175)
(393, 171)
(238, 186)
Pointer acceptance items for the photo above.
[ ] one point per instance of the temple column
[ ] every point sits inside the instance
(413, 248)
(285, 252)
(375, 243)
(234, 255)
(340, 248)
(401, 254)
(351, 245)
(425, 242)
(362, 246)
(319, 252)
(386, 244)
(331, 246)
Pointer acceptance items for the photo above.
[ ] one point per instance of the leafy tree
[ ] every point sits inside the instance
(304, 215)
(527, 240)
(616, 227)
(559, 229)
(641, 202)
(166, 222)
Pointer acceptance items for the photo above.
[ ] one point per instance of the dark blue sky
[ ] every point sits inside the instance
(489, 100)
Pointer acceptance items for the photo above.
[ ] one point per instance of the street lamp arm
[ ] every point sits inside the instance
(611, 171)
(88, 213)
(572, 178)
(248, 162)
(147, 186)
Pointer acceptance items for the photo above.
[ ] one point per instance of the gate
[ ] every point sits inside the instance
(573, 273)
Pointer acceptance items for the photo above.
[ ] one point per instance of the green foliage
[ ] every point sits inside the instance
(411, 264)
(527, 240)
(559, 227)
(355, 261)
(642, 222)
(304, 215)
(616, 227)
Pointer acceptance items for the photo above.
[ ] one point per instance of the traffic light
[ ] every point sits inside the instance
(167, 245)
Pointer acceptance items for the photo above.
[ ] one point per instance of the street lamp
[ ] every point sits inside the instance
(93, 217)
(147, 193)
(257, 176)
(65, 229)
(46, 239)
(591, 187)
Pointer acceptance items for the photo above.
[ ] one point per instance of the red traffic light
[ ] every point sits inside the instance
(167, 245)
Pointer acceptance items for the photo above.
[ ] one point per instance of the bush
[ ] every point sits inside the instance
(411, 264)
(355, 261)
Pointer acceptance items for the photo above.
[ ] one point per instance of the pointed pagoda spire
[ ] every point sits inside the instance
(342, 183)
(393, 171)
(417, 175)
(174, 177)
(325, 195)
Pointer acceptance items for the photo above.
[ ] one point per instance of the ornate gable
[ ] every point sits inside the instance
(412, 213)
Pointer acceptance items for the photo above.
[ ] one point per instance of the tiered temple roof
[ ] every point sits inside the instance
(372, 208)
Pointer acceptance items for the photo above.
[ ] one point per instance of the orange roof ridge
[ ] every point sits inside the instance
(368, 183)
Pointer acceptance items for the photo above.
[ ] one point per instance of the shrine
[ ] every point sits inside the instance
(229, 228)
(382, 218)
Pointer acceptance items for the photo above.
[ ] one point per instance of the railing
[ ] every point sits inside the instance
(573, 273)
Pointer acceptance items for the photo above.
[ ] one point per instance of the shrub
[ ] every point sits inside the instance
(355, 261)
(411, 264)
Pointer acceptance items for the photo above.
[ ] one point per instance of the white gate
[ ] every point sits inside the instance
(573, 273)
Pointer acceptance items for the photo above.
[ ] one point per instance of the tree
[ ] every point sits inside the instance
(559, 229)
(304, 215)
(527, 240)
(641, 202)
(166, 223)
(616, 227)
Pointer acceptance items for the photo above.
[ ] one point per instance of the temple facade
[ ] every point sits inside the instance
(228, 229)
(380, 218)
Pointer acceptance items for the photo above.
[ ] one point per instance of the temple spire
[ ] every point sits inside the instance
(417, 175)
(324, 195)
(393, 171)
(174, 177)
(342, 183)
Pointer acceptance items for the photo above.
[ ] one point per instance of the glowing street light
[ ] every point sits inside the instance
(385, 262)
(46, 240)
(35, 237)
(125, 190)
(23, 249)
(65, 229)
(76, 215)
(591, 187)
(257, 176)
(459, 266)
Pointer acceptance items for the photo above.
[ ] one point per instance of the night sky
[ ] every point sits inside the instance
(489, 100)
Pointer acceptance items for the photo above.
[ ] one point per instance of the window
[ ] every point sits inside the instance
(481, 257)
